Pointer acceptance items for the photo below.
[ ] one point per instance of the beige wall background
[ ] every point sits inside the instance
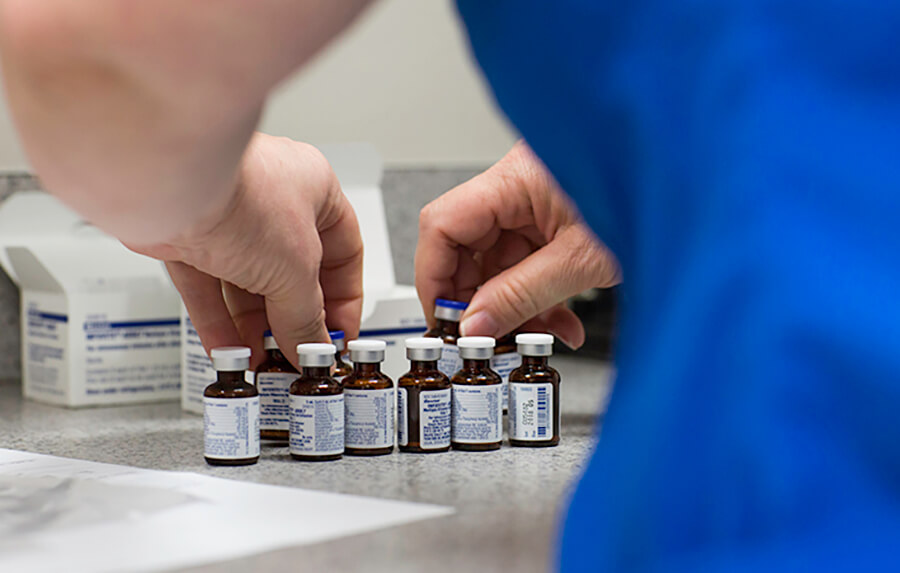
(400, 78)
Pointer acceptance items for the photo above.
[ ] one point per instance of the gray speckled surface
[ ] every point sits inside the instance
(507, 502)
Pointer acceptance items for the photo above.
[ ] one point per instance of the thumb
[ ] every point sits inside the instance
(572, 262)
(297, 318)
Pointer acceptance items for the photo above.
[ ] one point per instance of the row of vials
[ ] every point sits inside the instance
(330, 408)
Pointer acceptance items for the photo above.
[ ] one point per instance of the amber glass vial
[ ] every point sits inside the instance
(423, 400)
(534, 394)
(341, 368)
(231, 411)
(317, 407)
(273, 379)
(368, 402)
(446, 327)
(477, 415)
(504, 361)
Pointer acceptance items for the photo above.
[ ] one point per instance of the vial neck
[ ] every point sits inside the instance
(422, 365)
(276, 354)
(445, 326)
(366, 368)
(534, 361)
(475, 364)
(317, 371)
(230, 376)
(338, 357)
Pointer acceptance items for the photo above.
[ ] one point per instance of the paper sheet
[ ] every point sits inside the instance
(58, 514)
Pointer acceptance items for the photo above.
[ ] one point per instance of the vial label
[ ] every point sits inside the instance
(434, 419)
(402, 417)
(274, 401)
(530, 411)
(231, 428)
(503, 364)
(317, 425)
(369, 418)
(477, 414)
(450, 362)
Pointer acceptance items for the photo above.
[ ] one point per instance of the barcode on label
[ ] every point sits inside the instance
(542, 412)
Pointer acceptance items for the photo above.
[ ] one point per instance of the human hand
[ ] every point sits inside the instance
(515, 246)
(284, 254)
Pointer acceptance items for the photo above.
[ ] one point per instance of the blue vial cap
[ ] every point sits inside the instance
(455, 304)
(267, 333)
(336, 334)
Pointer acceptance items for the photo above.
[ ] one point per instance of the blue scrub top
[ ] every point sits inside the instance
(742, 159)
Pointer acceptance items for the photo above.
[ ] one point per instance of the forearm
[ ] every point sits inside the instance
(137, 113)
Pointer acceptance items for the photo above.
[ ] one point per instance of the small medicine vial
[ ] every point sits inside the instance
(505, 360)
(447, 314)
(477, 415)
(423, 400)
(231, 411)
(273, 379)
(341, 368)
(368, 402)
(534, 394)
(317, 407)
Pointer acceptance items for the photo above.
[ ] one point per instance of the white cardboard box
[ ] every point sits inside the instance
(99, 323)
(391, 312)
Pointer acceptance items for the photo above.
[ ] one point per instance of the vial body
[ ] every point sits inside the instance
(505, 360)
(424, 397)
(273, 381)
(368, 411)
(534, 404)
(231, 421)
(477, 413)
(317, 416)
(448, 332)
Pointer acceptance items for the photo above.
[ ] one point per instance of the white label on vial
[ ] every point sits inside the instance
(434, 419)
(450, 362)
(369, 418)
(477, 414)
(274, 402)
(402, 417)
(317, 425)
(503, 364)
(531, 411)
(231, 428)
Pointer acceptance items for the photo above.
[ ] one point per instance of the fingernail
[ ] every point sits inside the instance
(479, 324)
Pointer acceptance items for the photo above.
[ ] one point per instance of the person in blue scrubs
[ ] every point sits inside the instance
(739, 159)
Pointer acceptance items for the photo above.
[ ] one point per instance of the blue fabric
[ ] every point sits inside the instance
(742, 159)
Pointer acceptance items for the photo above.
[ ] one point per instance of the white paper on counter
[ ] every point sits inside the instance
(58, 514)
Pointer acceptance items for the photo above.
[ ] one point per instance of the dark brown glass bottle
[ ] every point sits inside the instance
(534, 395)
(273, 378)
(477, 416)
(231, 411)
(368, 402)
(317, 407)
(423, 400)
(504, 361)
(447, 314)
(341, 368)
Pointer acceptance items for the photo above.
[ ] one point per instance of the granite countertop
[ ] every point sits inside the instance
(507, 502)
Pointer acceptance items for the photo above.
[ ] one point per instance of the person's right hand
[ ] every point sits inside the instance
(285, 253)
(515, 246)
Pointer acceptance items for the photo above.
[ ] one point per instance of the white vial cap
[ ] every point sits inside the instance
(269, 341)
(230, 358)
(315, 354)
(534, 344)
(476, 347)
(367, 350)
(425, 349)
